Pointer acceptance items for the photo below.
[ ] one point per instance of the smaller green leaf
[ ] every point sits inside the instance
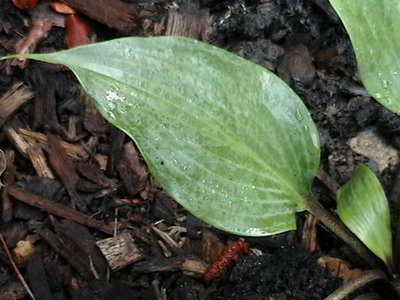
(363, 207)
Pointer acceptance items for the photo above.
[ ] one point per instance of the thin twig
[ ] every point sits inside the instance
(58, 209)
(14, 266)
(354, 284)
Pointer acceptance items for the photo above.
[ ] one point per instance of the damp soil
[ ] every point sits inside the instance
(302, 41)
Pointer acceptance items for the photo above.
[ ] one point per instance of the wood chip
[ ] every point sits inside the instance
(194, 268)
(190, 265)
(309, 234)
(17, 140)
(39, 162)
(33, 138)
(13, 99)
(119, 251)
(65, 170)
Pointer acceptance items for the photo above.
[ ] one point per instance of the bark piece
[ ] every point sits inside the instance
(64, 249)
(163, 207)
(117, 141)
(6, 205)
(13, 99)
(119, 251)
(85, 243)
(45, 115)
(12, 290)
(132, 170)
(36, 276)
(93, 173)
(15, 232)
(188, 21)
(113, 13)
(58, 209)
(159, 265)
(92, 120)
(44, 187)
(65, 170)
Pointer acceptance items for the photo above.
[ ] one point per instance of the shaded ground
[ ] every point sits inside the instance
(98, 172)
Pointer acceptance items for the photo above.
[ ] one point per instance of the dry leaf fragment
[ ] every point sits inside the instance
(23, 252)
(339, 268)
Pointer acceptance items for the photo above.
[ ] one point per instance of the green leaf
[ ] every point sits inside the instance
(363, 207)
(226, 138)
(373, 27)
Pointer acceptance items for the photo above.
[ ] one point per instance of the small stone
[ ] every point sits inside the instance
(369, 144)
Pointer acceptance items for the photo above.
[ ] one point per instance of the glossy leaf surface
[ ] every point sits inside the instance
(363, 207)
(226, 138)
(373, 27)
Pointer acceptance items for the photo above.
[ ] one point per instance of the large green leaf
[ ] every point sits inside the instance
(363, 207)
(226, 138)
(373, 27)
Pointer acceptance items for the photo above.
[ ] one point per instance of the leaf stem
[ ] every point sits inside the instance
(341, 231)
(355, 283)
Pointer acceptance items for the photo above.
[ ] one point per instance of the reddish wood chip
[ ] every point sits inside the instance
(25, 4)
(62, 8)
(77, 31)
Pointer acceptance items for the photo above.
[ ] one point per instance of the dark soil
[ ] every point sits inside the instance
(302, 41)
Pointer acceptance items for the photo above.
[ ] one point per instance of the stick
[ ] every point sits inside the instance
(58, 209)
